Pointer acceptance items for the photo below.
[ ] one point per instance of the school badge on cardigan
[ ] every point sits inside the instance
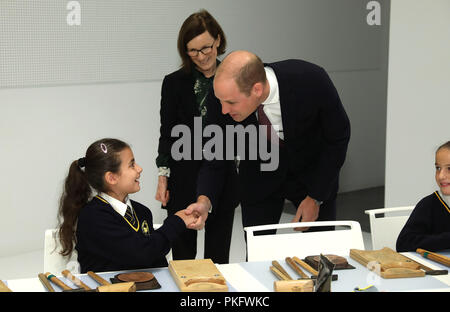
(145, 228)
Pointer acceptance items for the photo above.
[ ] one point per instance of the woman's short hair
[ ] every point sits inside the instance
(196, 24)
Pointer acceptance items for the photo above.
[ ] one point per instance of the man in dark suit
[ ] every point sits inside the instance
(313, 133)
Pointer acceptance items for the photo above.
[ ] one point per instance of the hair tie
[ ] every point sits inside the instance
(82, 162)
(103, 148)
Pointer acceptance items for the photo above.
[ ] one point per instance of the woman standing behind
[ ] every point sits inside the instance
(183, 97)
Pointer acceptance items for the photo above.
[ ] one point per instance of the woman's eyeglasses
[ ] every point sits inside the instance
(205, 50)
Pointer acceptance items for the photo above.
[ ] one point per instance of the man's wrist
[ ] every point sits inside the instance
(205, 200)
(317, 202)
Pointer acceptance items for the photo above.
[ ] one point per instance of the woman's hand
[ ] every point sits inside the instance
(162, 193)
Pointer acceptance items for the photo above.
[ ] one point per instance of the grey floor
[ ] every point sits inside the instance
(350, 206)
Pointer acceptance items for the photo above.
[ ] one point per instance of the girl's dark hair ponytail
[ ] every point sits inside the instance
(75, 195)
(89, 171)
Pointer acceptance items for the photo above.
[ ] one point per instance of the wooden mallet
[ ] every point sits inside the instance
(434, 256)
(60, 284)
(287, 283)
(46, 282)
(76, 281)
(106, 286)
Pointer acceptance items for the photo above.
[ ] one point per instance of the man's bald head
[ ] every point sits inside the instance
(245, 68)
(240, 84)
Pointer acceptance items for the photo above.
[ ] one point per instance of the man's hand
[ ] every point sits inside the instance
(162, 193)
(307, 211)
(200, 209)
(188, 219)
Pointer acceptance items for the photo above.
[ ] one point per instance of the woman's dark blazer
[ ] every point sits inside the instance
(179, 107)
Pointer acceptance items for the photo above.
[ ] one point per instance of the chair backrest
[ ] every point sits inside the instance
(54, 262)
(302, 244)
(386, 224)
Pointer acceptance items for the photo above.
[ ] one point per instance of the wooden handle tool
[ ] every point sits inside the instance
(98, 278)
(75, 280)
(278, 274)
(281, 269)
(306, 266)
(428, 270)
(45, 282)
(296, 268)
(311, 270)
(287, 284)
(57, 281)
(434, 256)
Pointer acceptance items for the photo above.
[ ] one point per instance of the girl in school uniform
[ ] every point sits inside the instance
(110, 231)
(428, 227)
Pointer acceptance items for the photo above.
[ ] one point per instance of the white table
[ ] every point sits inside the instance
(256, 277)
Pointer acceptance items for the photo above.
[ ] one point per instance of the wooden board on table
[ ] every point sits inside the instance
(197, 275)
(387, 263)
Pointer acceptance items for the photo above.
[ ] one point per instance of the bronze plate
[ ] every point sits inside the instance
(137, 277)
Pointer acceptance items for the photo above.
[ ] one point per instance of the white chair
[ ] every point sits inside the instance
(54, 262)
(385, 229)
(302, 244)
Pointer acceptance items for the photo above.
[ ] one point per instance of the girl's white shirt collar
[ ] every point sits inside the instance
(117, 205)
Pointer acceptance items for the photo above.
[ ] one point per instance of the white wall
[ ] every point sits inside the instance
(418, 97)
(363, 94)
(43, 129)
